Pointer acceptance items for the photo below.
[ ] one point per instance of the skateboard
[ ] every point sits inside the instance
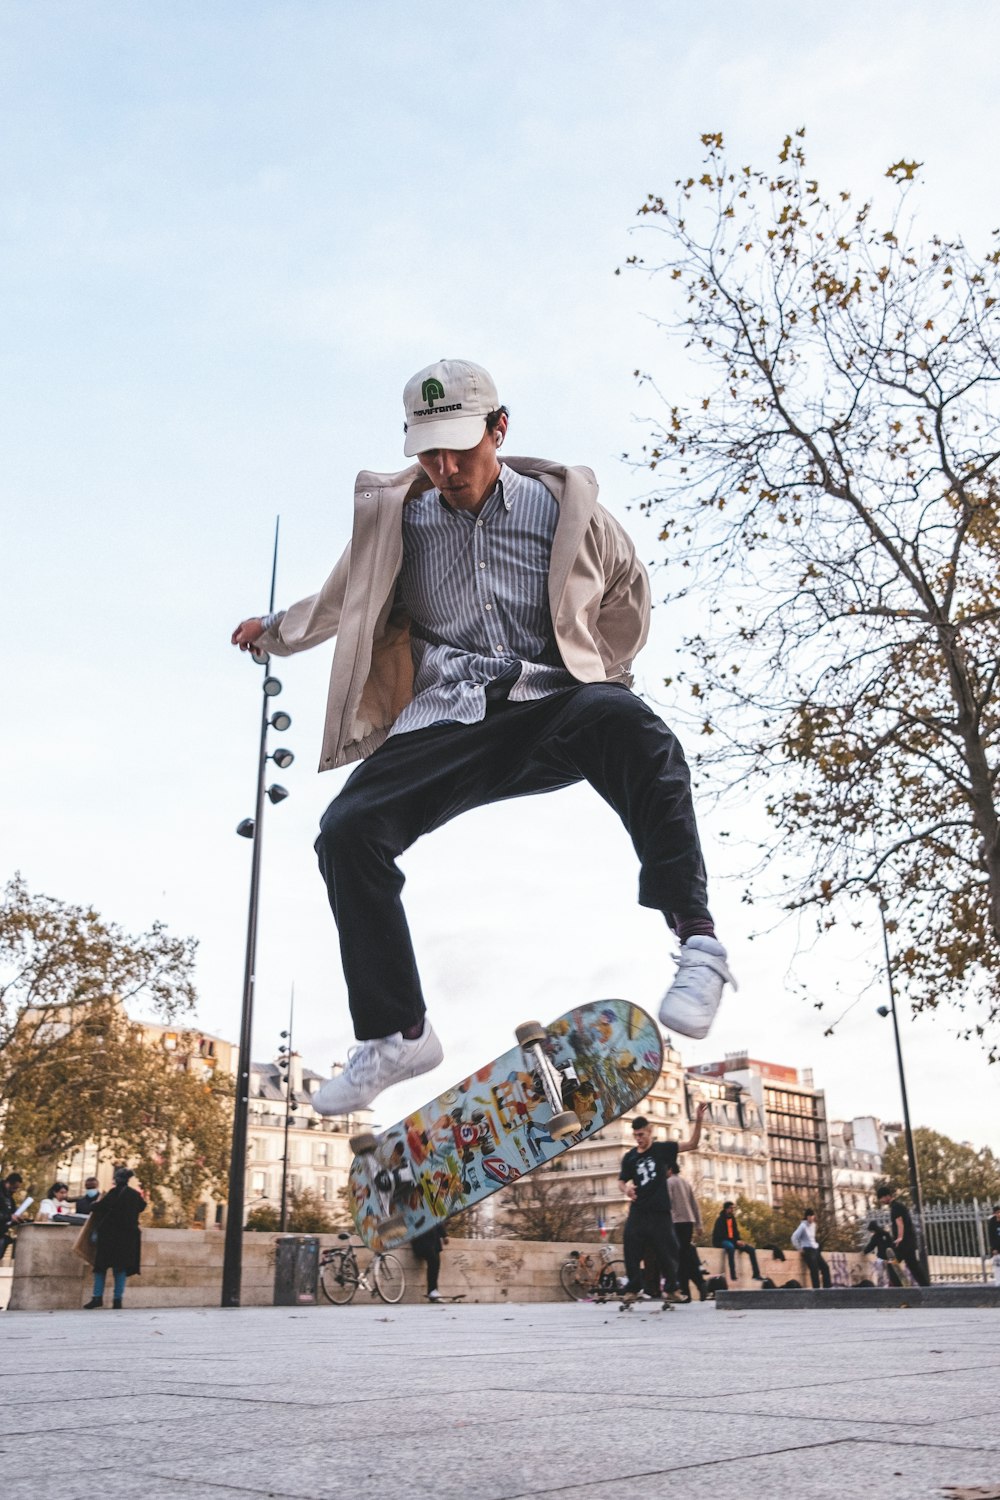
(559, 1085)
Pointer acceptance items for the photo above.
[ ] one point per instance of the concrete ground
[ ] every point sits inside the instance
(501, 1402)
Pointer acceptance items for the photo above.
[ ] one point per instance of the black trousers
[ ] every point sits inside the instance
(596, 732)
(908, 1255)
(432, 1261)
(650, 1238)
(688, 1263)
(747, 1250)
(819, 1271)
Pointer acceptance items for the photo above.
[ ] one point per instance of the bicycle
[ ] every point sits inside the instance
(596, 1276)
(340, 1275)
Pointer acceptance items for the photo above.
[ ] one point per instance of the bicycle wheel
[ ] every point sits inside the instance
(609, 1281)
(575, 1288)
(338, 1277)
(390, 1282)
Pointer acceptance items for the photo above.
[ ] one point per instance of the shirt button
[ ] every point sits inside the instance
(479, 523)
(482, 565)
(489, 606)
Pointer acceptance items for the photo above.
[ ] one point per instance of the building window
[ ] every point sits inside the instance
(258, 1184)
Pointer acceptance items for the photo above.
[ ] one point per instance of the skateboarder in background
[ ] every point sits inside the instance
(487, 613)
(904, 1236)
(649, 1231)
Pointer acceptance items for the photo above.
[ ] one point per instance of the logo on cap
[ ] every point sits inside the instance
(431, 391)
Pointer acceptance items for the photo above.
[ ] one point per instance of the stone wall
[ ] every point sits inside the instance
(183, 1268)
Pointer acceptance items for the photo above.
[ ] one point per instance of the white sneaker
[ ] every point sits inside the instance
(374, 1066)
(690, 1003)
(434, 1296)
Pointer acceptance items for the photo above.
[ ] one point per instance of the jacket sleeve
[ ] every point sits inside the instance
(625, 606)
(797, 1238)
(312, 620)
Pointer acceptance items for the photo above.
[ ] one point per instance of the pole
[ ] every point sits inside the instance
(911, 1150)
(232, 1260)
(288, 1117)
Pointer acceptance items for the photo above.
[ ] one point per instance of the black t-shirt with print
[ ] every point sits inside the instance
(648, 1170)
(898, 1210)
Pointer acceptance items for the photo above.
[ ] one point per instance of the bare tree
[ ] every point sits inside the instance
(543, 1208)
(831, 494)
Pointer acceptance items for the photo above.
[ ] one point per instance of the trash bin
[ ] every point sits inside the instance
(296, 1270)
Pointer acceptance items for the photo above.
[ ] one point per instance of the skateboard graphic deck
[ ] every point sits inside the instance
(491, 1129)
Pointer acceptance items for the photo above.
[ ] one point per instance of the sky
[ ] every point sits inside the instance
(230, 230)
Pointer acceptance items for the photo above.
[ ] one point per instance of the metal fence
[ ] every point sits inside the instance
(956, 1242)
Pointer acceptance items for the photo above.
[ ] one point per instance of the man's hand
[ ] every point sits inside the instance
(247, 633)
(630, 1191)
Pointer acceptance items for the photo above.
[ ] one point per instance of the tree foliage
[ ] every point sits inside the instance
(52, 953)
(75, 1069)
(307, 1214)
(831, 494)
(949, 1170)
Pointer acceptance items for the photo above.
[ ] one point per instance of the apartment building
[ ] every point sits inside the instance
(793, 1112)
(856, 1150)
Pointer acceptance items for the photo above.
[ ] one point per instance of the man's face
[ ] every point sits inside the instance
(465, 476)
(644, 1137)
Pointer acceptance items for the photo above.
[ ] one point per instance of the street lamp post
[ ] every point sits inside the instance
(285, 1066)
(250, 828)
(911, 1150)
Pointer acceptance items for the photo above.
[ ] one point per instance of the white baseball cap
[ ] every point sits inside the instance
(447, 405)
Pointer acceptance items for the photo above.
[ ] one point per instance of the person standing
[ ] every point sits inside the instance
(807, 1243)
(993, 1240)
(726, 1236)
(427, 1247)
(686, 1216)
(487, 614)
(904, 1236)
(87, 1202)
(119, 1239)
(649, 1232)
(8, 1209)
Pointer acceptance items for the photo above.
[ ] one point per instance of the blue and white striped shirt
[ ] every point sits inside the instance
(476, 591)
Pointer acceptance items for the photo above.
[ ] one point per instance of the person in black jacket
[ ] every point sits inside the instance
(8, 1187)
(87, 1201)
(904, 1236)
(427, 1247)
(726, 1236)
(993, 1230)
(881, 1245)
(116, 1220)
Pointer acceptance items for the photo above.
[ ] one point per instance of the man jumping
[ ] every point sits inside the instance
(487, 613)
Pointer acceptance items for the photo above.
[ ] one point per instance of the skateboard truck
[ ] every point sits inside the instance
(390, 1226)
(530, 1037)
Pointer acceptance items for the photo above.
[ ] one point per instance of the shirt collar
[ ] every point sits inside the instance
(507, 487)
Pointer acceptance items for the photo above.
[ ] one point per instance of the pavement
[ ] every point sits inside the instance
(501, 1403)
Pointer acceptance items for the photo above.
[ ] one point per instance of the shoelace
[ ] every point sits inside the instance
(362, 1062)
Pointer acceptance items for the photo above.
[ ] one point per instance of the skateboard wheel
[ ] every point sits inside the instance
(530, 1032)
(567, 1122)
(364, 1144)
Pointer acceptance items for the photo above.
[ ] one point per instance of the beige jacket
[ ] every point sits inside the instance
(683, 1203)
(598, 595)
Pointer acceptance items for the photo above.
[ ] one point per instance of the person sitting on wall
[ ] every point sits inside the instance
(726, 1236)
